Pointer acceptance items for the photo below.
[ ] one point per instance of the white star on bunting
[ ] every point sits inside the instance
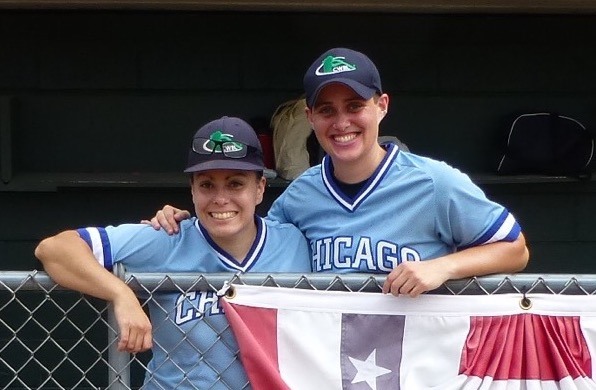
(367, 370)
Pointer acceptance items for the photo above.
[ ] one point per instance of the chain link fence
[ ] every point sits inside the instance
(52, 338)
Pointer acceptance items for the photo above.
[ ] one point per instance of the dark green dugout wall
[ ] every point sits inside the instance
(96, 108)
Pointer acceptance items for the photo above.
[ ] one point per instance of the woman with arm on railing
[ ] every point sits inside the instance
(191, 342)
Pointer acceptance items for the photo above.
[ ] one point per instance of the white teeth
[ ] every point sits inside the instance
(344, 138)
(224, 215)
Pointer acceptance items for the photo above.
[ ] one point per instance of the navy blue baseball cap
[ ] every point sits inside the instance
(346, 66)
(225, 143)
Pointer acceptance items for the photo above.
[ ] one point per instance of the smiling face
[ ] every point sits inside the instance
(225, 202)
(347, 126)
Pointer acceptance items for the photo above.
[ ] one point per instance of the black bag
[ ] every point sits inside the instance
(548, 144)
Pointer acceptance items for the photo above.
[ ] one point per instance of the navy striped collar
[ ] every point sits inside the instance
(251, 257)
(347, 202)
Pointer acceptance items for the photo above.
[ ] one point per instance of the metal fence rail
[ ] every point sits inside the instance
(52, 338)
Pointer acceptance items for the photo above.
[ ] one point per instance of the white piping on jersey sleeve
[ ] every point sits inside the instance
(97, 246)
(504, 230)
(98, 241)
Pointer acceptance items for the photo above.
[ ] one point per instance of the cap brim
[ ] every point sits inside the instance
(362, 90)
(224, 164)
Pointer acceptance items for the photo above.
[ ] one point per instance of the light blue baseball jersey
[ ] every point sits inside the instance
(412, 208)
(193, 343)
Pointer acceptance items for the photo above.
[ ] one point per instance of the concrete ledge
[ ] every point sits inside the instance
(406, 6)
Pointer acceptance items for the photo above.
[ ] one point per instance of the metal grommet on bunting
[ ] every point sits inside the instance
(231, 292)
(227, 290)
(525, 303)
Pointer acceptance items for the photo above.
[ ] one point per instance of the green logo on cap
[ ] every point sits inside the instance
(333, 65)
(220, 142)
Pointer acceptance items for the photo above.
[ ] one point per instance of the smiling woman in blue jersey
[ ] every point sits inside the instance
(192, 345)
(376, 208)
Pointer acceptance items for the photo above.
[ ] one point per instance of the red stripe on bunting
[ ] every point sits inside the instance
(256, 332)
(526, 346)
